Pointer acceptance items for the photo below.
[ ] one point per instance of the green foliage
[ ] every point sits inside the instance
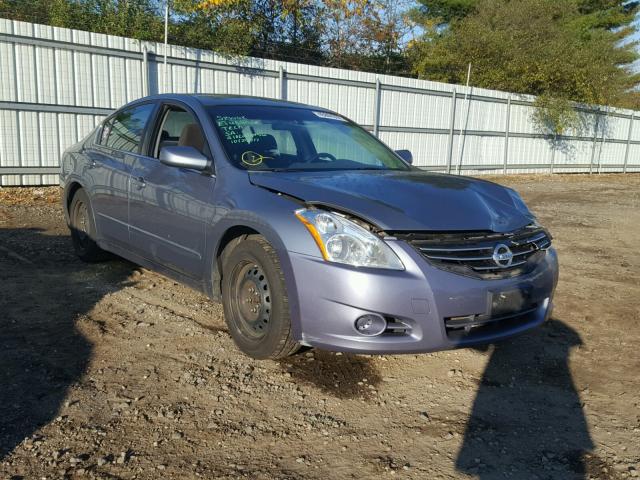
(265, 28)
(366, 34)
(130, 18)
(443, 11)
(563, 51)
(554, 116)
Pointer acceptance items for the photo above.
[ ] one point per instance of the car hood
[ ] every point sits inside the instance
(405, 201)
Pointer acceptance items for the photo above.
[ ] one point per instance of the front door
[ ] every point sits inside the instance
(169, 206)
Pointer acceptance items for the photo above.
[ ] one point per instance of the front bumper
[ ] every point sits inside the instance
(331, 297)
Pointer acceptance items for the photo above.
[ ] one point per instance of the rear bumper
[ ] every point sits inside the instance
(331, 297)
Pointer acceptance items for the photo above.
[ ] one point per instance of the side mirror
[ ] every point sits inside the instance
(183, 157)
(405, 155)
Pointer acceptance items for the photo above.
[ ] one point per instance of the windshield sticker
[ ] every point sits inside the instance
(329, 116)
(231, 128)
(253, 159)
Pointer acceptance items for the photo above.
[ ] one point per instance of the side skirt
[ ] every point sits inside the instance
(190, 282)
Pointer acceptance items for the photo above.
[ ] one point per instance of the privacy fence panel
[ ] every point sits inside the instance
(57, 84)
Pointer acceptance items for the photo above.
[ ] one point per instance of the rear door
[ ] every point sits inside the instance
(169, 206)
(109, 168)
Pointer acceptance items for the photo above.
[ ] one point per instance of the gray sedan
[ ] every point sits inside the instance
(307, 228)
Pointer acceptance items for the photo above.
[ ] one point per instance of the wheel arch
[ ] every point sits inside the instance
(69, 191)
(232, 231)
(231, 235)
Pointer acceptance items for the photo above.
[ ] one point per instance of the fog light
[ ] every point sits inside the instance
(371, 324)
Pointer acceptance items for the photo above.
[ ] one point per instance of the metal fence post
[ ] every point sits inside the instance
(604, 133)
(145, 70)
(462, 137)
(376, 108)
(595, 143)
(600, 154)
(451, 130)
(553, 152)
(282, 79)
(506, 135)
(626, 152)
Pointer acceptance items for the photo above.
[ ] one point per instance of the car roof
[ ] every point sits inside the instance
(210, 100)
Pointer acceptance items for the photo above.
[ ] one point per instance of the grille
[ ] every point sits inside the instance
(483, 254)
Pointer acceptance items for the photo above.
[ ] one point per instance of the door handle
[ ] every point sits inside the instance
(140, 182)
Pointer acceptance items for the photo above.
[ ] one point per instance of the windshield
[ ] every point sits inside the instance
(284, 139)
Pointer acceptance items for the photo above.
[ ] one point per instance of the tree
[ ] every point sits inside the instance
(130, 18)
(443, 11)
(343, 31)
(357, 34)
(138, 19)
(367, 34)
(562, 51)
(599, 13)
(387, 31)
(284, 29)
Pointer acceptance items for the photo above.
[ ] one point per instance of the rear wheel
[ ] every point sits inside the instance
(254, 298)
(83, 229)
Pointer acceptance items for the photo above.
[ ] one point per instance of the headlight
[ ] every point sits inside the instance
(342, 241)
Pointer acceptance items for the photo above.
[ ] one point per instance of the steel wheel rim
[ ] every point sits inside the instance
(251, 300)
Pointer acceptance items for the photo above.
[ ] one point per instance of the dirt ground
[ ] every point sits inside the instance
(111, 371)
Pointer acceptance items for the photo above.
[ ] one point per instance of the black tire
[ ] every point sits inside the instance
(83, 229)
(254, 298)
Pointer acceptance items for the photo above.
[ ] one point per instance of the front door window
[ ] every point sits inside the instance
(179, 128)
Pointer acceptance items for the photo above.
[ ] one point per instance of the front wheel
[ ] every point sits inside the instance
(255, 302)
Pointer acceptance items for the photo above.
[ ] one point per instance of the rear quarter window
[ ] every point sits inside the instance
(103, 134)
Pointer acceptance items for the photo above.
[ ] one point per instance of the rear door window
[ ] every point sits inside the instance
(126, 129)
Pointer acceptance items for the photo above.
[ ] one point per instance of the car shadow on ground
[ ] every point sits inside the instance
(44, 289)
(527, 419)
(340, 375)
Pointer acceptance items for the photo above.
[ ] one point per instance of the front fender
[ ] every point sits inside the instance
(253, 221)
